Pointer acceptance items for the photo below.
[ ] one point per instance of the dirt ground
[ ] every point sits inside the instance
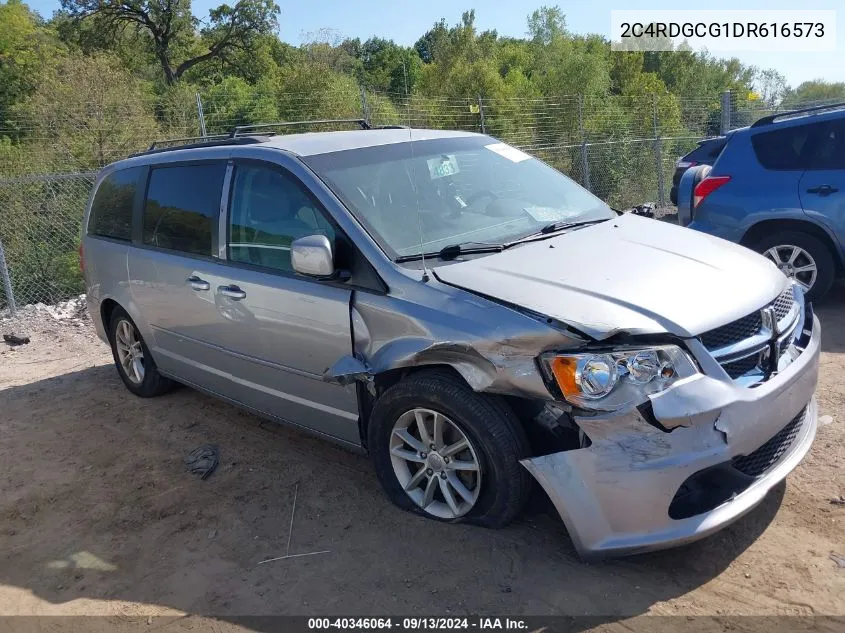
(98, 516)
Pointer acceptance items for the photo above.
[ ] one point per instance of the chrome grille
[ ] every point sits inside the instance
(764, 458)
(733, 332)
(783, 303)
(740, 367)
(741, 346)
(747, 326)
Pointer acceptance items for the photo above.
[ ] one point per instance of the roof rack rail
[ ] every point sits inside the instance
(210, 141)
(767, 120)
(239, 135)
(238, 130)
(184, 141)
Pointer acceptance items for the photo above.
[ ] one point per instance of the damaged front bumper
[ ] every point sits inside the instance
(638, 487)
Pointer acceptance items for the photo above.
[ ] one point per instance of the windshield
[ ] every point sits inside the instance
(419, 197)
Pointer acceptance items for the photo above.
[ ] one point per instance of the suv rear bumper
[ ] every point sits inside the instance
(615, 495)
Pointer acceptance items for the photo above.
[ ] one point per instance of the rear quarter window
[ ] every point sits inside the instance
(785, 149)
(182, 205)
(707, 152)
(111, 210)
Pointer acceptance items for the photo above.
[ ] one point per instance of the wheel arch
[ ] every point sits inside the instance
(757, 231)
(524, 408)
(383, 381)
(107, 308)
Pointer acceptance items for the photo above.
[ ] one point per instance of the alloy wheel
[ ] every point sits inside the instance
(795, 263)
(129, 351)
(435, 463)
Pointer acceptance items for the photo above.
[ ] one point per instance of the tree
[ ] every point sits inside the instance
(428, 44)
(171, 27)
(91, 110)
(771, 86)
(565, 64)
(24, 48)
(815, 90)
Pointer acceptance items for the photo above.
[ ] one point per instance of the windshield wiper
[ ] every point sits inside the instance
(454, 250)
(550, 229)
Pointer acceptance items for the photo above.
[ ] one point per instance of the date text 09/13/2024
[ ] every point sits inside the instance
(419, 623)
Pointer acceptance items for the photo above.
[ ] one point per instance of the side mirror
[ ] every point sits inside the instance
(312, 256)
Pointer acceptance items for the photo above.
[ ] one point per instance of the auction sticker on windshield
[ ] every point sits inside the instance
(511, 153)
(442, 166)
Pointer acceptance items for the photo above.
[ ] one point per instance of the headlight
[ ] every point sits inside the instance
(610, 380)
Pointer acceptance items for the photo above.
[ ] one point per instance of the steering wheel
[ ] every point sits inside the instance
(478, 195)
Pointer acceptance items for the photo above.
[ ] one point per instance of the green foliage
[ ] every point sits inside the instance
(36, 217)
(90, 111)
(170, 28)
(25, 46)
(234, 102)
(816, 90)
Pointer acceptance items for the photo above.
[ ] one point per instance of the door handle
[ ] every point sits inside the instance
(233, 292)
(823, 190)
(197, 283)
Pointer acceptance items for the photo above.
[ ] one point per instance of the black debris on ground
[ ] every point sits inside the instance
(16, 339)
(202, 461)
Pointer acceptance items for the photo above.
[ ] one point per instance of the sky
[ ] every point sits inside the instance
(404, 22)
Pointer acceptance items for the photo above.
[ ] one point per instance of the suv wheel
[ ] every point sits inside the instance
(133, 360)
(449, 453)
(802, 257)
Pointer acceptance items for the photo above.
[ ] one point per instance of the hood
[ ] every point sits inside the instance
(629, 274)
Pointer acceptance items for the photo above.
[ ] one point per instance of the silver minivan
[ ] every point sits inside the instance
(466, 314)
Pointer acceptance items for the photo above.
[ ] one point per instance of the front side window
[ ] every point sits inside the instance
(111, 210)
(182, 205)
(269, 210)
(422, 196)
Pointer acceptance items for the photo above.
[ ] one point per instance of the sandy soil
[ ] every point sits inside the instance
(98, 516)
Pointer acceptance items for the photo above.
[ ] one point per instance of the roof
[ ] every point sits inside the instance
(311, 143)
(307, 144)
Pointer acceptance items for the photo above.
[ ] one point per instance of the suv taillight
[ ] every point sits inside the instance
(81, 258)
(706, 187)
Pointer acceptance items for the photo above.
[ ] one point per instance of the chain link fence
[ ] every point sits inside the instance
(622, 148)
(39, 231)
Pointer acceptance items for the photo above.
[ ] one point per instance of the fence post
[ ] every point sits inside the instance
(481, 115)
(658, 155)
(585, 163)
(7, 281)
(201, 116)
(365, 108)
(727, 114)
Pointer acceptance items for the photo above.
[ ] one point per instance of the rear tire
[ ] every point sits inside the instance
(496, 442)
(811, 252)
(132, 358)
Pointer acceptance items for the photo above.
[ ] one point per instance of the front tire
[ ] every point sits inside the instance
(447, 452)
(802, 257)
(132, 358)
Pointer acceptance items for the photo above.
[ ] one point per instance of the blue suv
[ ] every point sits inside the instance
(778, 187)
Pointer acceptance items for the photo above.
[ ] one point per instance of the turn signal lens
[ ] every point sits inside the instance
(563, 368)
(589, 377)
